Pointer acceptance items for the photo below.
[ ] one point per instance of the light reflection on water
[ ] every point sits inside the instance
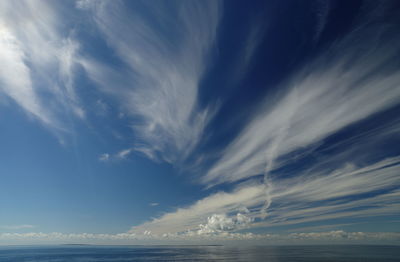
(199, 253)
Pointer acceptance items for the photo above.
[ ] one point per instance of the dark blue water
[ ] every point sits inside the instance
(199, 253)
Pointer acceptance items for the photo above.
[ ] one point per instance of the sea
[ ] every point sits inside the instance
(335, 253)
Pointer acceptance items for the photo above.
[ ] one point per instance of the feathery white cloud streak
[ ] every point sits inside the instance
(326, 96)
(307, 197)
(15, 77)
(104, 157)
(38, 60)
(319, 196)
(16, 227)
(166, 51)
(124, 153)
(190, 218)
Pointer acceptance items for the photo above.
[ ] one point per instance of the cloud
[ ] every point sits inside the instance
(342, 87)
(104, 157)
(319, 228)
(336, 194)
(161, 57)
(213, 206)
(15, 77)
(342, 181)
(154, 204)
(220, 222)
(335, 91)
(124, 153)
(166, 53)
(343, 235)
(17, 227)
(338, 236)
(317, 196)
(38, 61)
(322, 12)
(102, 107)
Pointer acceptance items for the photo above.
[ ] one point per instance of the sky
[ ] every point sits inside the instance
(148, 122)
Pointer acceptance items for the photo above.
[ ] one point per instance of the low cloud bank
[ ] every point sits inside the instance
(338, 236)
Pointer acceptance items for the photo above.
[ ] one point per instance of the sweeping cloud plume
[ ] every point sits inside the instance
(160, 85)
(305, 198)
(324, 97)
(208, 209)
(321, 99)
(214, 127)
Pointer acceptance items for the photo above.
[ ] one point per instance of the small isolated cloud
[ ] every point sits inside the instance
(84, 4)
(102, 108)
(104, 157)
(16, 227)
(124, 153)
(154, 204)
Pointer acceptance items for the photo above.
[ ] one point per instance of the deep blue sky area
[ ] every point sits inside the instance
(131, 122)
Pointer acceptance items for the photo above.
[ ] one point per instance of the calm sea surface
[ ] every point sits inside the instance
(199, 253)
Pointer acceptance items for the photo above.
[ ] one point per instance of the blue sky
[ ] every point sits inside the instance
(222, 121)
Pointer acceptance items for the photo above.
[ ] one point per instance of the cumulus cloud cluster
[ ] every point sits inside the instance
(220, 222)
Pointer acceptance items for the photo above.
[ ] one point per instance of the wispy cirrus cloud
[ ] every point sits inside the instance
(216, 205)
(17, 227)
(124, 153)
(339, 89)
(335, 91)
(104, 157)
(307, 197)
(39, 56)
(346, 192)
(161, 53)
(166, 52)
